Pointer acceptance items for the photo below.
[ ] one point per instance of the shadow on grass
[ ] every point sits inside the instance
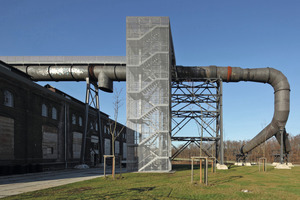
(181, 167)
(132, 193)
(225, 180)
(184, 167)
(142, 189)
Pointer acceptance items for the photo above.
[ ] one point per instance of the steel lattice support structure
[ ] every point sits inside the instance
(91, 100)
(199, 100)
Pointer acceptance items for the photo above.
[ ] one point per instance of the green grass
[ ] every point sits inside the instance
(273, 184)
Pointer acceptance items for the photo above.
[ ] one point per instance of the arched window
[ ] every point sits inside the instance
(44, 110)
(80, 121)
(73, 119)
(54, 113)
(8, 99)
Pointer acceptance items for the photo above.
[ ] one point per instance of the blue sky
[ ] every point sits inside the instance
(247, 34)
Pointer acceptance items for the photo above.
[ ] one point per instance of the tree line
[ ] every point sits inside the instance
(269, 149)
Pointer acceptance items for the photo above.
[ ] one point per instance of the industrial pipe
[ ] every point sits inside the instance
(271, 76)
(106, 74)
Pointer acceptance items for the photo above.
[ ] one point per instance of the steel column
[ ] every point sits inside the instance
(221, 125)
(87, 100)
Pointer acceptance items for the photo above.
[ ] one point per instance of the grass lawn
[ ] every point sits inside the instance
(227, 184)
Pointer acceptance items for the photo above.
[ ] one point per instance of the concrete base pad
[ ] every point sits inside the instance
(282, 166)
(247, 164)
(290, 164)
(238, 164)
(221, 167)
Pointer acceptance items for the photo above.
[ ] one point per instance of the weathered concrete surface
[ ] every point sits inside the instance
(290, 164)
(282, 166)
(221, 167)
(17, 184)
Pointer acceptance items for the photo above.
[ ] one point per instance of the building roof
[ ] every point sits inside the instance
(14, 70)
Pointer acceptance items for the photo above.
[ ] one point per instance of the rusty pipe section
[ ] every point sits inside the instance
(104, 74)
(271, 76)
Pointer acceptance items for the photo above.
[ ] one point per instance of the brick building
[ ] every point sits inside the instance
(41, 127)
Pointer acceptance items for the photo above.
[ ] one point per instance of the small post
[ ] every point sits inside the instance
(206, 171)
(192, 172)
(104, 166)
(120, 158)
(113, 170)
(262, 161)
(113, 167)
(200, 170)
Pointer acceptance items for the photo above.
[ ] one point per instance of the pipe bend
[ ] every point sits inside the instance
(281, 88)
(278, 80)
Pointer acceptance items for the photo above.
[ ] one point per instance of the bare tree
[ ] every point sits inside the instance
(113, 125)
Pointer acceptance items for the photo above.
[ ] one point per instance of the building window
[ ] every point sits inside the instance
(96, 126)
(80, 121)
(54, 113)
(106, 130)
(73, 119)
(91, 125)
(8, 99)
(44, 110)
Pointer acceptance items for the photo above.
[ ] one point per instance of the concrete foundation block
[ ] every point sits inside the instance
(282, 166)
(247, 164)
(290, 164)
(221, 167)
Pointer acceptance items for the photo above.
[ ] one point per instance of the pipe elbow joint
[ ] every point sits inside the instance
(278, 80)
(105, 83)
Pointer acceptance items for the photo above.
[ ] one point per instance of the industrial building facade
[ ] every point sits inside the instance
(42, 128)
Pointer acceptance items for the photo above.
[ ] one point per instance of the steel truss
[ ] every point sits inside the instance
(199, 101)
(91, 100)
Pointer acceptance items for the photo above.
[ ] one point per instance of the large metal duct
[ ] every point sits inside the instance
(271, 76)
(106, 74)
